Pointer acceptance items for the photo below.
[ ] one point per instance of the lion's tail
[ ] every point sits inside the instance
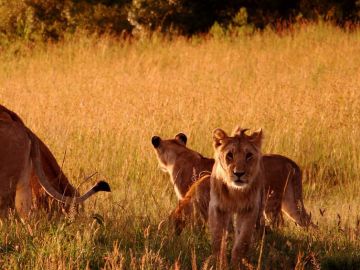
(47, 186)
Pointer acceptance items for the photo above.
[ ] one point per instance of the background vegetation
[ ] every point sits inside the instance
(102, 100)
(52, 20)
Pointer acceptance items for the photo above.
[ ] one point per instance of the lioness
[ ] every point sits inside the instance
(28, 170)
(183, 164)
(283, 183)
(237, 182)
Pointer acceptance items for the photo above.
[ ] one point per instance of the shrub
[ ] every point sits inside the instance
(52, 19)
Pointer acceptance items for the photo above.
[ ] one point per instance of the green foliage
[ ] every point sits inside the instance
(33, 20)
(16, 19)
(217, 31)
(181, 16)
(241, 18)
(189, 17)
(98, 17)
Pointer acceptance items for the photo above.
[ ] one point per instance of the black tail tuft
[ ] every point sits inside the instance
(102, 186)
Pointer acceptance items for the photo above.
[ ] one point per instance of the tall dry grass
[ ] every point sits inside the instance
(102, 100)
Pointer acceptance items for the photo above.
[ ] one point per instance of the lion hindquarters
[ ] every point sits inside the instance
(294, 208)
(181, 214)
(194, 206)
(292, 202)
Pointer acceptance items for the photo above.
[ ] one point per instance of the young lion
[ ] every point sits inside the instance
(282, 182)
(30, 176)
(237, 182)
(183, 164)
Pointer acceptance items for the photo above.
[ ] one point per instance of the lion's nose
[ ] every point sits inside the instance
(155, 140)
(239, 174)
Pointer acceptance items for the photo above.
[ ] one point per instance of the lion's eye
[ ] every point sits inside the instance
(229, 156)
(249, 156)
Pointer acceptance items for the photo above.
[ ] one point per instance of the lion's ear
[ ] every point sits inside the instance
(218, 136)
(257, 137)
(181, 138)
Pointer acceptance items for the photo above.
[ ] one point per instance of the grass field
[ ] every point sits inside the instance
(102, 101)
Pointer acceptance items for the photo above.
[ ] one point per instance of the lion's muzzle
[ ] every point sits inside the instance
(238, 178)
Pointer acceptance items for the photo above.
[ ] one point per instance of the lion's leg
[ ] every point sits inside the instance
(273, 208)
(218, 224)
(182, 214)
(23, 195)
(244, 228)
(6, 202)
(294, 207)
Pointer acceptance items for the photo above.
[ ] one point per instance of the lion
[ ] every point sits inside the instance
(236, 187)
(283, 183)
(183, 164)
(30, 177)
(194, 206)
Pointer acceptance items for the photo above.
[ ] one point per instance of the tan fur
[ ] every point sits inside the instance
(56, 177)
(183, 165)
(236, 187)
(24, 159)
(283, 183)
(195, 204)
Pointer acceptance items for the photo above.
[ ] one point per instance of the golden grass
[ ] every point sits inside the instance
(102, 101)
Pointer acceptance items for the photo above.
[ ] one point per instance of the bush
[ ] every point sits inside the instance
(52, 19)
(185, 17)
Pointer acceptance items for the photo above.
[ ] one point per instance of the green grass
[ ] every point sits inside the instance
(102, 100)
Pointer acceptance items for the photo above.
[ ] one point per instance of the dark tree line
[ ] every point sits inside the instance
(52, 19)
(190, 17)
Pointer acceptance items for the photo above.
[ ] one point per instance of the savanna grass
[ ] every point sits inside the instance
(101, 100)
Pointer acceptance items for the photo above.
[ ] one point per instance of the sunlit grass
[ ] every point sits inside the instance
(101, 100)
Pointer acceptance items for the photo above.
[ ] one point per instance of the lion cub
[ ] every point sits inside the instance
(237, 185)
(183, 164)
(283, 183)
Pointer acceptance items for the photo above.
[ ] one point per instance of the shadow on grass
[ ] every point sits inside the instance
(283, 248)
(127, 241)
(291, 251)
